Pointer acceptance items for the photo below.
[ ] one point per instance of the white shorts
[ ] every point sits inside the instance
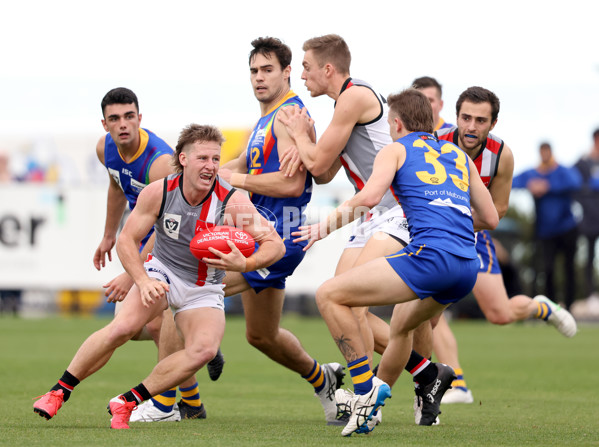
(392, 222)
(183, 295)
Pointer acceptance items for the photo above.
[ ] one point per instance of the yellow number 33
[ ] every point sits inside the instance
(439, 175)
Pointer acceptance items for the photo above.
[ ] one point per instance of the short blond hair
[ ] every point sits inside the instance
(195, 133)
(330, 49)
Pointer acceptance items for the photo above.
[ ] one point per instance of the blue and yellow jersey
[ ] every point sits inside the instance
(442, 124)
(433, 187)
(262, 156)
(132, 177)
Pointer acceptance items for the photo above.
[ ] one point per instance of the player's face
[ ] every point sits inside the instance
(313, 75)
(474, 124)
(436, 102)
(200, 162)
(122, 122)
(269, 81)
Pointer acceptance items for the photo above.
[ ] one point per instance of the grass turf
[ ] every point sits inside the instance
(531, 387)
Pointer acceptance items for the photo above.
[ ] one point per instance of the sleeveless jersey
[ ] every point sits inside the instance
(433, 189)
(364, 143)
(487, 159)
(262, 156)
(132, 177)
(177, 224)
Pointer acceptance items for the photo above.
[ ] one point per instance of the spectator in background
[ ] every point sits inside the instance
(552, 187)
(5, 173)
(588, 197)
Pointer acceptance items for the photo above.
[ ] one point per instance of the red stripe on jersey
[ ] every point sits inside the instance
(393, 193)
(202, 224)
(173, 183)
(268, 145)
(353, 175)
(221, 191)
(478, 162)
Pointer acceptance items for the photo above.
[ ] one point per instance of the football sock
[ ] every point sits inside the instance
(459, 382)
(165, 401)
(66, 383)
(316, 377)
(423, 370)
(543, 311)
(137, 394)
(191, 395)
(361, 375)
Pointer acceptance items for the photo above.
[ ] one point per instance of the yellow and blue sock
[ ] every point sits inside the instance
(316, 377)
(165, 401)
(543, 310)
(459, 382)
(361, 375)
(191, 395)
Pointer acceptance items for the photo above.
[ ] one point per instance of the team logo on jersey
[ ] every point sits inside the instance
(116, 176)
(447, 202)
(137, 186)
(171, 225)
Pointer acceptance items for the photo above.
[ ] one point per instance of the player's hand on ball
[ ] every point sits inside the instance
(234, 261)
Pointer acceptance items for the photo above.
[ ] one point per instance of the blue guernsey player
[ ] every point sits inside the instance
(444, 200)
(282, 200)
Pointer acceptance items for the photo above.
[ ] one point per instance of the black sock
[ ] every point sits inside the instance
(423, 371)
(66, 383)
(137, 394)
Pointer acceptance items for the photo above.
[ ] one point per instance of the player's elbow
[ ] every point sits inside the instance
(370, 200)
(501, 211)
(316, 169)
(281, 250)
(490, 220)
(295, 189)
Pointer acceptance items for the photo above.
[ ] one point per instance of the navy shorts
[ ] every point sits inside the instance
(485, 249)
(428, 271)
(276, 274)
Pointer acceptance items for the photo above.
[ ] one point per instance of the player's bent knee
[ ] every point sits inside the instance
(143, 335)
(498, 318)
(326, 294)
(199, 356)
(259, 340)
(119, 334)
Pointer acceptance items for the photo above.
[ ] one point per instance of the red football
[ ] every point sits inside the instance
(217, 237)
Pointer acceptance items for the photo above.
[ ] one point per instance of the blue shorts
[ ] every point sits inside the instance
(276, 274)
(485, 249)
(428, 271)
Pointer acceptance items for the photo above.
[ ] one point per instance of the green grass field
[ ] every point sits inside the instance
(532, 387)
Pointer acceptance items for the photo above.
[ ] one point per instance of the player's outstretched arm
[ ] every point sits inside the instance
(138, 225)
(115, 207)
(386, 164)
(319, 157)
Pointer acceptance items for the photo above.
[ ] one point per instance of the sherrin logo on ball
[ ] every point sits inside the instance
(217, 238)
